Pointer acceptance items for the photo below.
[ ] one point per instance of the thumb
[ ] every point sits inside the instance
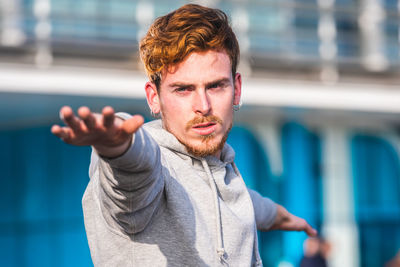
(131, 125)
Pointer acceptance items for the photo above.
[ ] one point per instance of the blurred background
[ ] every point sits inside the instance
(319, 131)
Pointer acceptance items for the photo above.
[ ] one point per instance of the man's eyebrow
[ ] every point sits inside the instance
(180, 84)
(218, 81)
(183, 84)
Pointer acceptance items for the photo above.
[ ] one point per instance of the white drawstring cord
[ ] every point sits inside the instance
(220, 244)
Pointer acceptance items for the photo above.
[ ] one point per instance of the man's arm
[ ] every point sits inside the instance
(125, 167)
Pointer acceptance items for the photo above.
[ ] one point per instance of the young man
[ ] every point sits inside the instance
(168, 192)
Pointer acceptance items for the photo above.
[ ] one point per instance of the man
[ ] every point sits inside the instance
(168, 192)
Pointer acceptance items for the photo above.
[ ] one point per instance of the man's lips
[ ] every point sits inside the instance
(204, 125)
(206, 128)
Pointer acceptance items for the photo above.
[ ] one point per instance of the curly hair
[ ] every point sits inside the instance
(191, 28)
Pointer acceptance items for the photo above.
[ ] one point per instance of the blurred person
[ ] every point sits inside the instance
(395, 261)
(168, 192)
(315, 252)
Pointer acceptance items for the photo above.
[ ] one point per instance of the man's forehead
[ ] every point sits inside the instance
(206, 66)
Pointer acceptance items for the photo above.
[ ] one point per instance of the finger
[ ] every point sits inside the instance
(87, 117)
(310, 231)
(70, 119)
(108, 116)
(131, 125)
(61, 132)
(56, 129)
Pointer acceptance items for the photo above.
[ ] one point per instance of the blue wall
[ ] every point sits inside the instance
(302, 183)
(42, 183)
(376, 172)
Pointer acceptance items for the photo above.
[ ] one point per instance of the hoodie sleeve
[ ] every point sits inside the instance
(264, 210)
(129, 187)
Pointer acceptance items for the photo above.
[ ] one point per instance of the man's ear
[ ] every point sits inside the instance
(153, 99)
(238, 89)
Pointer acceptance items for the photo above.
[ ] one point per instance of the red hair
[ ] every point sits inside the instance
(191, 28)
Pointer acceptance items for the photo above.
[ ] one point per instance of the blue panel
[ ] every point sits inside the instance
(43, 181)
(8, 249)
(271, 247)
(74, 175)
(56, 183)
(300, 154)
(38, 250)
(377, 178)
(35, 201)
(376, 171)
(75, 250)
(7, 179)
(245, 157)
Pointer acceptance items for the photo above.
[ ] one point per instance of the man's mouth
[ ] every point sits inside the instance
(206, 128)
(204, 125)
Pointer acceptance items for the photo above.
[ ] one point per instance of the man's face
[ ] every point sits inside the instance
(196, 99)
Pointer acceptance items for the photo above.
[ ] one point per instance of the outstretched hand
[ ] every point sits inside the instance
(289, 222)
(108, 134)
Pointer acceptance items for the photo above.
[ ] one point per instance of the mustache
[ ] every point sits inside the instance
(203, 119)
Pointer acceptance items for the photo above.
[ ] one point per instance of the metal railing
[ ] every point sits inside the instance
(332, 35)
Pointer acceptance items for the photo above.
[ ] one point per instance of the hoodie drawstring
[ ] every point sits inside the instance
(220, 245)
(257, 255)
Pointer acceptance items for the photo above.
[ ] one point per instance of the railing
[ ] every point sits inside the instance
(332, 35)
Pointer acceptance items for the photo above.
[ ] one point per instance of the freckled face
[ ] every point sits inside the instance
(196, 100)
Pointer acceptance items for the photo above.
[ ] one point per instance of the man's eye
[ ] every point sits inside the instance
(182, 89)
(215, 85)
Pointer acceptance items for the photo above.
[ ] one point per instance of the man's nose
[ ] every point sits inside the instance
(201, 103)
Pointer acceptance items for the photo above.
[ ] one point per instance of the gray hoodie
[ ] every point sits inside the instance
(157, 205)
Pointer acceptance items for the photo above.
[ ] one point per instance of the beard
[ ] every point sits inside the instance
(209, 145)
